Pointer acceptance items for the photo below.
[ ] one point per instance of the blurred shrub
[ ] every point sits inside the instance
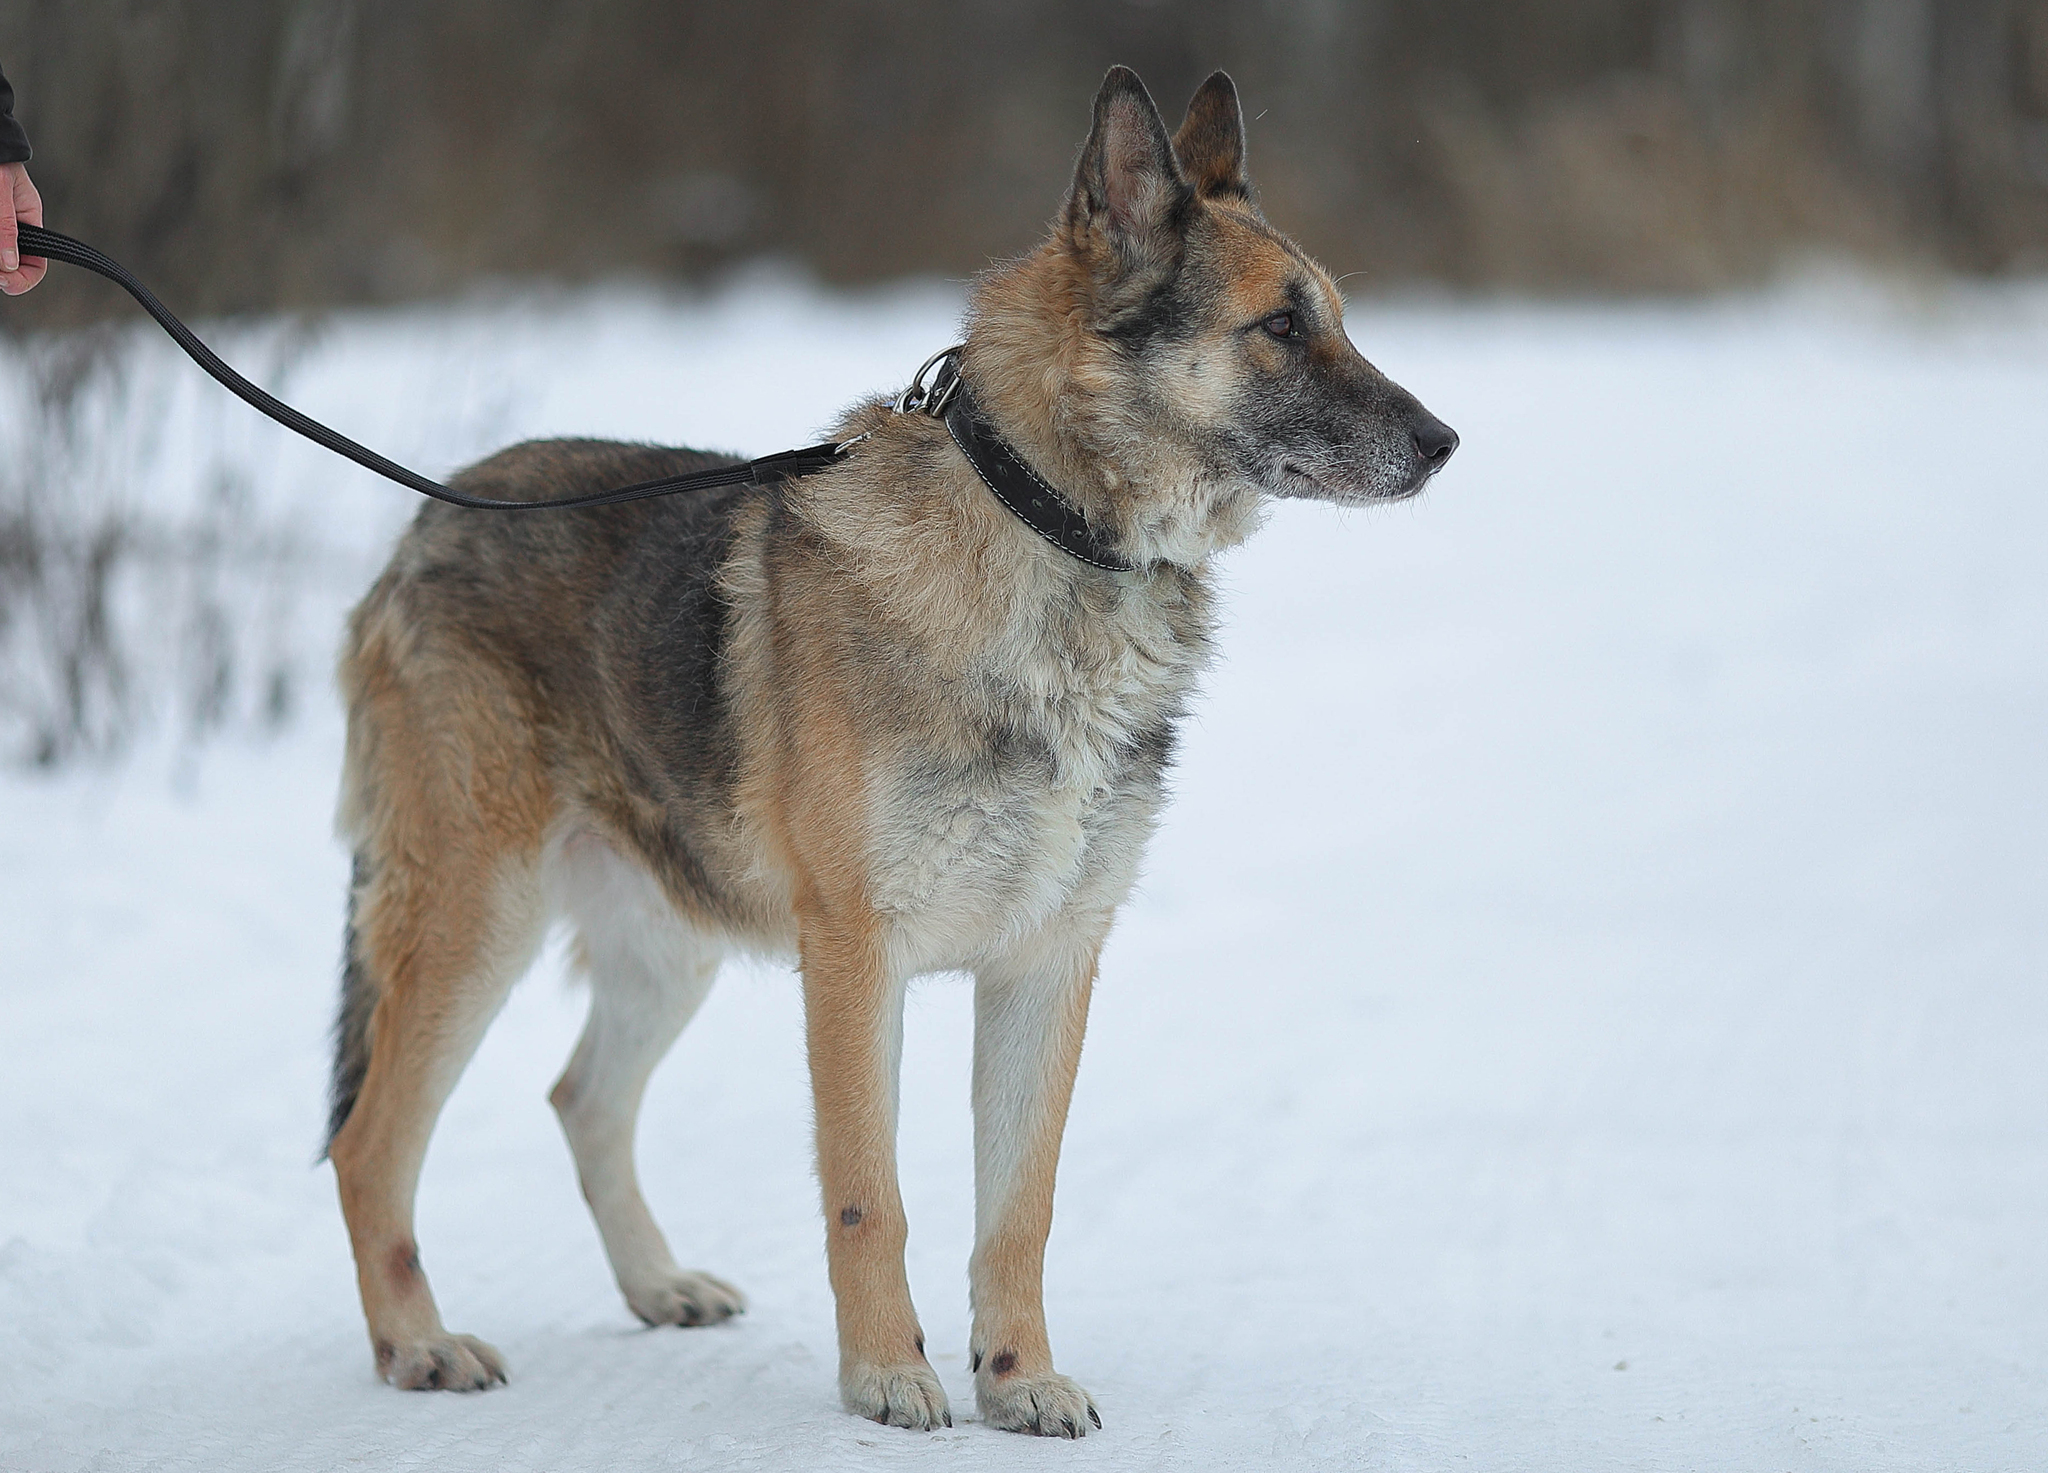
(116, 616)
(251, 154)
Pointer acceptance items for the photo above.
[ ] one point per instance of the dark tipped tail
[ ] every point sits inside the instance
(352, 1018)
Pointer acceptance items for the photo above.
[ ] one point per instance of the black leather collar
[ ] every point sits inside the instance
(1020, 488)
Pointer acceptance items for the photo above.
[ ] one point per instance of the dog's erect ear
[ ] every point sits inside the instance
(1210, 144)
(1128, 191)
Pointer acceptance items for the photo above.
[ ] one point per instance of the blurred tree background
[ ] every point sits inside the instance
(245, 155)
(276, 156)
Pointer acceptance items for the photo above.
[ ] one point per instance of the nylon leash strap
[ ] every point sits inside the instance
(785, 465)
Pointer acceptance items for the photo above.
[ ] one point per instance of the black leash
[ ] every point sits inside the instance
(1006, 473)
(785, 465)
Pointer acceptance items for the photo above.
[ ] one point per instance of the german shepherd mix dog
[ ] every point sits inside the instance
(873, 719)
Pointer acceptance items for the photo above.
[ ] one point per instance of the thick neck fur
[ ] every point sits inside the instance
(910, 523)
(1087, 661)
(1084, 660)
(1083, 411)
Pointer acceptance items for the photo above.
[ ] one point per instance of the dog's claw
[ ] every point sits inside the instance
(686, 1299)
(1047, 1405)
(897, 1396)
(444, 1363)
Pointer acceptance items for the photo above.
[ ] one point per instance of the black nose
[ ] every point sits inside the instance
(1434, 441)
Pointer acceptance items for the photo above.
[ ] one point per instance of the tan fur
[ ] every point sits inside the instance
(452, 802)
(867, 719)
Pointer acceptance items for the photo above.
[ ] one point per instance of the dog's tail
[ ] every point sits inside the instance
(352, 1018)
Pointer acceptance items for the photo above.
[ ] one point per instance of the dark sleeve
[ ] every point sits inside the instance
(14, 147)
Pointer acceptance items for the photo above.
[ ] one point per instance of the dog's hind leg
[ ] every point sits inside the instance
(649, 971)
(447, 806)
(1029, 1016)
(440, 950)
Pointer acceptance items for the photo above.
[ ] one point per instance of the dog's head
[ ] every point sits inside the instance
(1198, 356)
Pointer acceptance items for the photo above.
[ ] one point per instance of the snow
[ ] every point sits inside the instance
(1584, 1009)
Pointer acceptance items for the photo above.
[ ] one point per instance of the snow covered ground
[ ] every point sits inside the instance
(1585, 1009)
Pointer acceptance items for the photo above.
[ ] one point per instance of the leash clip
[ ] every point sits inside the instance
(932, 399)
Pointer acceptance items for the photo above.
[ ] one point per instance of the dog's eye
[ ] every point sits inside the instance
(1280, 325)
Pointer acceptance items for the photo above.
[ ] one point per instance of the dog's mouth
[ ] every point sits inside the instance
(1424, 473)
(1294, 481)
(1297, 481)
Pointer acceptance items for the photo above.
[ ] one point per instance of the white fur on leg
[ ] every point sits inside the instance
(1028, 1019)
(1020, 1061)
(649, 973)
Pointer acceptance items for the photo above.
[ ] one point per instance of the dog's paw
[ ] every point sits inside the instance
(1047, 1405)
(441, 1362)
(686, 1299)
(897, 1396)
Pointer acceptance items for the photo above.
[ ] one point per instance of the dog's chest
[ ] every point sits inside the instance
(1038, 788)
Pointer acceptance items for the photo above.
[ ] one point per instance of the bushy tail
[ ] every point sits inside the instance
(352, 1017)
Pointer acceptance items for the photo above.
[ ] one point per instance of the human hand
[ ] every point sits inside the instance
(18, 202)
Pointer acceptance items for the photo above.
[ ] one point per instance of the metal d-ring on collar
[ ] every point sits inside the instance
(1008, 476)
(919, 399)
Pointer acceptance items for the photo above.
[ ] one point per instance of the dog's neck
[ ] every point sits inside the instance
(1055, 391)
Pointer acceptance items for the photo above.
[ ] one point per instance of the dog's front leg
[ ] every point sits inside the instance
(853, 1022)
(1028, 1022)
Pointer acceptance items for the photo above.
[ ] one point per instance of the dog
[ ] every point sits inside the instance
(879, 719)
